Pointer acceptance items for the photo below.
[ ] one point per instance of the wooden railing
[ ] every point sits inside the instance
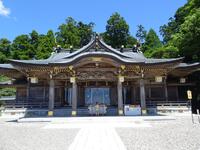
(167, 103)
(30, 105)
(14, 104)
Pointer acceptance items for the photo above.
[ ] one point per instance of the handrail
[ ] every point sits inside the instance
(5, 98)
(58, 104)
(168, 103)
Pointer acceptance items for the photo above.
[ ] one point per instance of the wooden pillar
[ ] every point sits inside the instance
(28, 90)
(44, 94)
(120, 98)
(166, 91)
(132, 95)
(51, 97)
(142, 96)
(177, 95)
(74, 96)
(66, 93)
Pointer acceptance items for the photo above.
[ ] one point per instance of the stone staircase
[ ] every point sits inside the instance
(61, 112)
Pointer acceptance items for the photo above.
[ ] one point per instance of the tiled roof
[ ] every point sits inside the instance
(186, 65)
(90, 50)
(6, 66)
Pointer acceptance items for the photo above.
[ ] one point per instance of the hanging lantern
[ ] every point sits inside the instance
(34, 79)
(189, 94)
(72, 80)
(121, 78)
(158, 79)
(182, 80)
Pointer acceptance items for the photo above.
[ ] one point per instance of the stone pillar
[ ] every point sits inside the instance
(51, 97)
(120, 98)
(74, 96)
(142, 96)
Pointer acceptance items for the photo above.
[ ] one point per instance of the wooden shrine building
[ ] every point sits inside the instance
(98, 73)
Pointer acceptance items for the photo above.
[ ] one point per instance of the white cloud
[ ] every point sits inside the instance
(3, 10)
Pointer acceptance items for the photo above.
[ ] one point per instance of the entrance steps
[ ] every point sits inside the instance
(61, 112)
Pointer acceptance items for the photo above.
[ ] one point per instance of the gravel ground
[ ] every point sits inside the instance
(179, 134)
(32, 136)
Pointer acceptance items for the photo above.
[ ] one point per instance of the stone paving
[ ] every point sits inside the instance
(101, 133)
(32, 136)
(180, 134)
(97, 139)
(98, 133)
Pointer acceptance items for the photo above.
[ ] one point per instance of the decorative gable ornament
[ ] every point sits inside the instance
(97, 59)
(123, 67)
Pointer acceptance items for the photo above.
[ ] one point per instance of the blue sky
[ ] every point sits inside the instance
(22, 16)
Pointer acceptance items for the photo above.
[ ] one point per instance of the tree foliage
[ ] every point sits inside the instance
(85, 32)
(188, 37)
(163, 52)
(74, 34)
(5, 49)
(45, 45)
(152, 41)
(181, 37)
(68, 34)
(183, 31)
(141, 33)
(117, 31)
(131, 41)
(22, 48)
(40, 46)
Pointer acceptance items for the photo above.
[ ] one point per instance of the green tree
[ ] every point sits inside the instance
(183, 31)
(131, 41)
(73, 33)
(21, 48)
(141, 33)
(50, 35)
(45, 45)
(85, 32)
(34, 39)
(152, 41)
(168, 30)
(68, 34)
(117, 31)
(5, 47)
(163, 52)
(188, 37)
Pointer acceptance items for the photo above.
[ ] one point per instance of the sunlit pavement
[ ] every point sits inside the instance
(101, 133)
(98, 133)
